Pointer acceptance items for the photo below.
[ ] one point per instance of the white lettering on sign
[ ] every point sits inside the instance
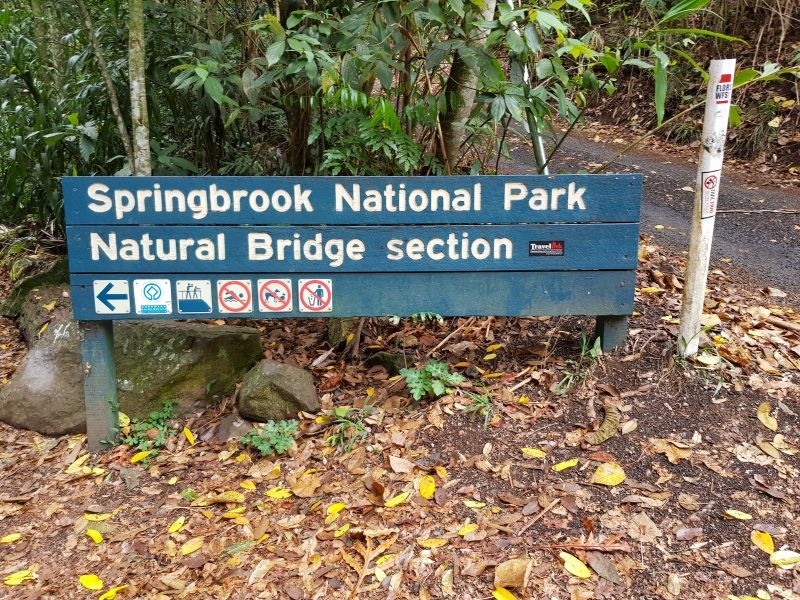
(147, 248)
(391, 199)
(542, 198)
(452, 248)
(262, 246)
(200, 203)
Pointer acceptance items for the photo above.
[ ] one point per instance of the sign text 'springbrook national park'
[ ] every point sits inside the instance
(198, 247)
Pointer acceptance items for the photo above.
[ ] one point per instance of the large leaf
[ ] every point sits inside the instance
(660, 73)
(683, 9)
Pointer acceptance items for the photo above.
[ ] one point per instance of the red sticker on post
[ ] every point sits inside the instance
(724, 89)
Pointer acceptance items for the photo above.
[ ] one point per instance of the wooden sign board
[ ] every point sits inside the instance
(189, 247)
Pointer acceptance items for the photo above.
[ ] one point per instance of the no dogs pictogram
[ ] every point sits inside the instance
(316, 295)
(234, 296)
(275, 295)
(710, 182)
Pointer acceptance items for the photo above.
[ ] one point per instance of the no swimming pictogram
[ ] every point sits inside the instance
(316, 295)
(275, 295)
(234, 296)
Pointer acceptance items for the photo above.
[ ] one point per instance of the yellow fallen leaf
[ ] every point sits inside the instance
(43, 328)
(574, 566)
(11, 537)
(94, 518)
(91, 581)
(123, 420)
(140, 456)
(342, 530)
(474, 504)
(95, 535)
(490, 356)
(279, 493)
(172, 480)
(386, 557)
(501, 593)
(193, 545)
(177, 524)
(77, 465)
(399, 499)
(234, 513)
(533, 452)
(651, 290)
(441, 472)
(524, 399)
(187, 433)
(50, 306)
(111, 594)
(785, 559)
(427, 487)
(19, 577)
(763, 541)
(493, 347)
(767, 420)
(332, 512)
(380, 574)
(432, 542)
(565, 464)
(738, 515)
(467, 529)
(248, 485)
(609, 474)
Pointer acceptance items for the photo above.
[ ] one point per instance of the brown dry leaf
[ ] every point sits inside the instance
(669, 449)
(306, 485)
(642, 529)
(734, 570)
(513, 573)
(602, 565)
(401, 465)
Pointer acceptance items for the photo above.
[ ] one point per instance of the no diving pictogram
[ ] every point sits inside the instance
(710, 182)
(275, 295)
(234, 296)
(316, 295)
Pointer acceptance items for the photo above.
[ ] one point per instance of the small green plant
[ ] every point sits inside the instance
(481, 405)
(432, 380)
(151, 433)
(189, 495)
(576, 371)
(273, 438)
(348, 424)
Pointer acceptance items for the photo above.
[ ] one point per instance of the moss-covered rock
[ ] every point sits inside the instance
(276, 391)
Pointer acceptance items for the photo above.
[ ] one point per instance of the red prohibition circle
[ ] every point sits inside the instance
(711, 182)
(245, 302)
(326, 288)
(265, 287)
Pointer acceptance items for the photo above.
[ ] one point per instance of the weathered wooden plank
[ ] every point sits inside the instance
(370, 294)
(247, 249)
(352, 200)
(99, 383)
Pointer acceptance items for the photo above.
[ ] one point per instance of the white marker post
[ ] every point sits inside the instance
(706, 195)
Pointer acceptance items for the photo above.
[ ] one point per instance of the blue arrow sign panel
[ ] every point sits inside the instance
(111, 296)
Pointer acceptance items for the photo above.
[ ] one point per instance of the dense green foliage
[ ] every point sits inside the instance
(272, 438)
(245, 88)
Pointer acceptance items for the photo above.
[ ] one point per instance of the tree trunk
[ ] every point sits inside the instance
(460, 92)
(102, 65)
(139, 121)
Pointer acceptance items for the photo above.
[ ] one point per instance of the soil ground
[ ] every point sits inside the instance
(437, 498)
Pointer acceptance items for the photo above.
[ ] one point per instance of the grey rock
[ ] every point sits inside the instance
(276, 391)
(232, 427)
(191, 364)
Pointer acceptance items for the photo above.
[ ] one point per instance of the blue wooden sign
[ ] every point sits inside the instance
(181, 247)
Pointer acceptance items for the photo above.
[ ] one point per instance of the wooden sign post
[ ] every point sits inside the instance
(706, 197)
(267, 247)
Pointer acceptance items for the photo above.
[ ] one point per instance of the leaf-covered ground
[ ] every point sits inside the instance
(491, 491)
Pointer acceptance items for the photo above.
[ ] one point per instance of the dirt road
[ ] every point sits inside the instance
(757, 227)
